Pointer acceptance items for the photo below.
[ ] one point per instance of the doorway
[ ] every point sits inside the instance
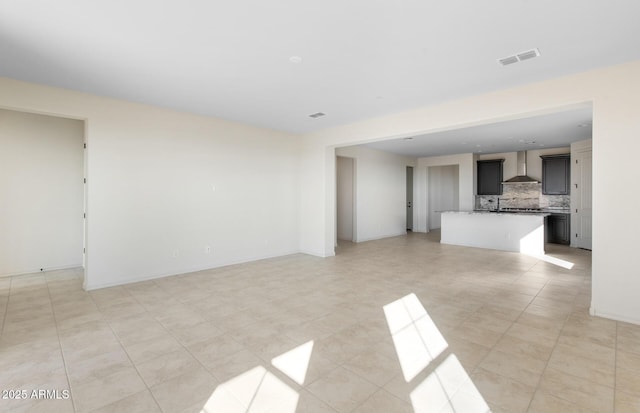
(581, 196)
(409, 198)
(443, 192)
(42, 167)
(345, 199)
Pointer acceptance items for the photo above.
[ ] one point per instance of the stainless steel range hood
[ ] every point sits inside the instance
(522, 177)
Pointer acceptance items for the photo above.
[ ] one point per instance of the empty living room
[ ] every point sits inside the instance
(319, 207)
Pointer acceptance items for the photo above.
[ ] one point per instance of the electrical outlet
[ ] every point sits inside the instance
(176, 253)
(207, 249)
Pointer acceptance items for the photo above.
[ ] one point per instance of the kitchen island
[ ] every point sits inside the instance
(506, 231)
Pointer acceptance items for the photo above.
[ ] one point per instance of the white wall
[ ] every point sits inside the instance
(163, 190)
(615, 94)
(381, 209)
(317, 201)
(151, 173)
(345, 197)
(41, 172)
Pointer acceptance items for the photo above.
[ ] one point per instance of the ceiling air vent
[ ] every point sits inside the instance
(508, 60)
(316, 115)
(529, 54)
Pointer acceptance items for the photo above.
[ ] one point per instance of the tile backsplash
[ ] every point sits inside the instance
(522, 195)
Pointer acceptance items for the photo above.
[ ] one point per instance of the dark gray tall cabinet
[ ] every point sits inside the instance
(556, 181)
(490, 177)
(555, 174)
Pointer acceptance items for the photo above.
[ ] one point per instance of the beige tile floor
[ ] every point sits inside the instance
(396, 325)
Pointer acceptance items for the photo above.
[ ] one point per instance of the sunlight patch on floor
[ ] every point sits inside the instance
(253, 391)
(555, 261)
(448, 389)
(416, 338)
(418, 342)
(259, 390)
(294, 363)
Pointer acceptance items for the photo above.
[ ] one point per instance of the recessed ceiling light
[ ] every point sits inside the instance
(317, 115)
(295, 59)
(408, 138)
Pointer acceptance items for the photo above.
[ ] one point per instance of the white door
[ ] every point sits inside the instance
(582, 182)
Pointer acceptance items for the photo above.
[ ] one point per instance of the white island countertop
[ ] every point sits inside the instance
(507, 231)
(484, 211)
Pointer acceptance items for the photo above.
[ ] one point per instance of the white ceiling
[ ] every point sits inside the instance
(539, 132)
(359, 58)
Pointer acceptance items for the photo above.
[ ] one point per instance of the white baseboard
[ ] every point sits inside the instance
(321, 254)
(94, 286)
(37, 270)
(377, 237)
(614, 316)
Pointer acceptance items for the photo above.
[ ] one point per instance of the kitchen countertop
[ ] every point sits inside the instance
(510, 213)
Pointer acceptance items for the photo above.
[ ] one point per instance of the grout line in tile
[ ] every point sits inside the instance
(537, 386)
(125, 351)
(505, 332)
(64, 361)
(567, 373)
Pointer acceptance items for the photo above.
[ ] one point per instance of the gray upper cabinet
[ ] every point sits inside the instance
(490, 177)
(555, 174)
